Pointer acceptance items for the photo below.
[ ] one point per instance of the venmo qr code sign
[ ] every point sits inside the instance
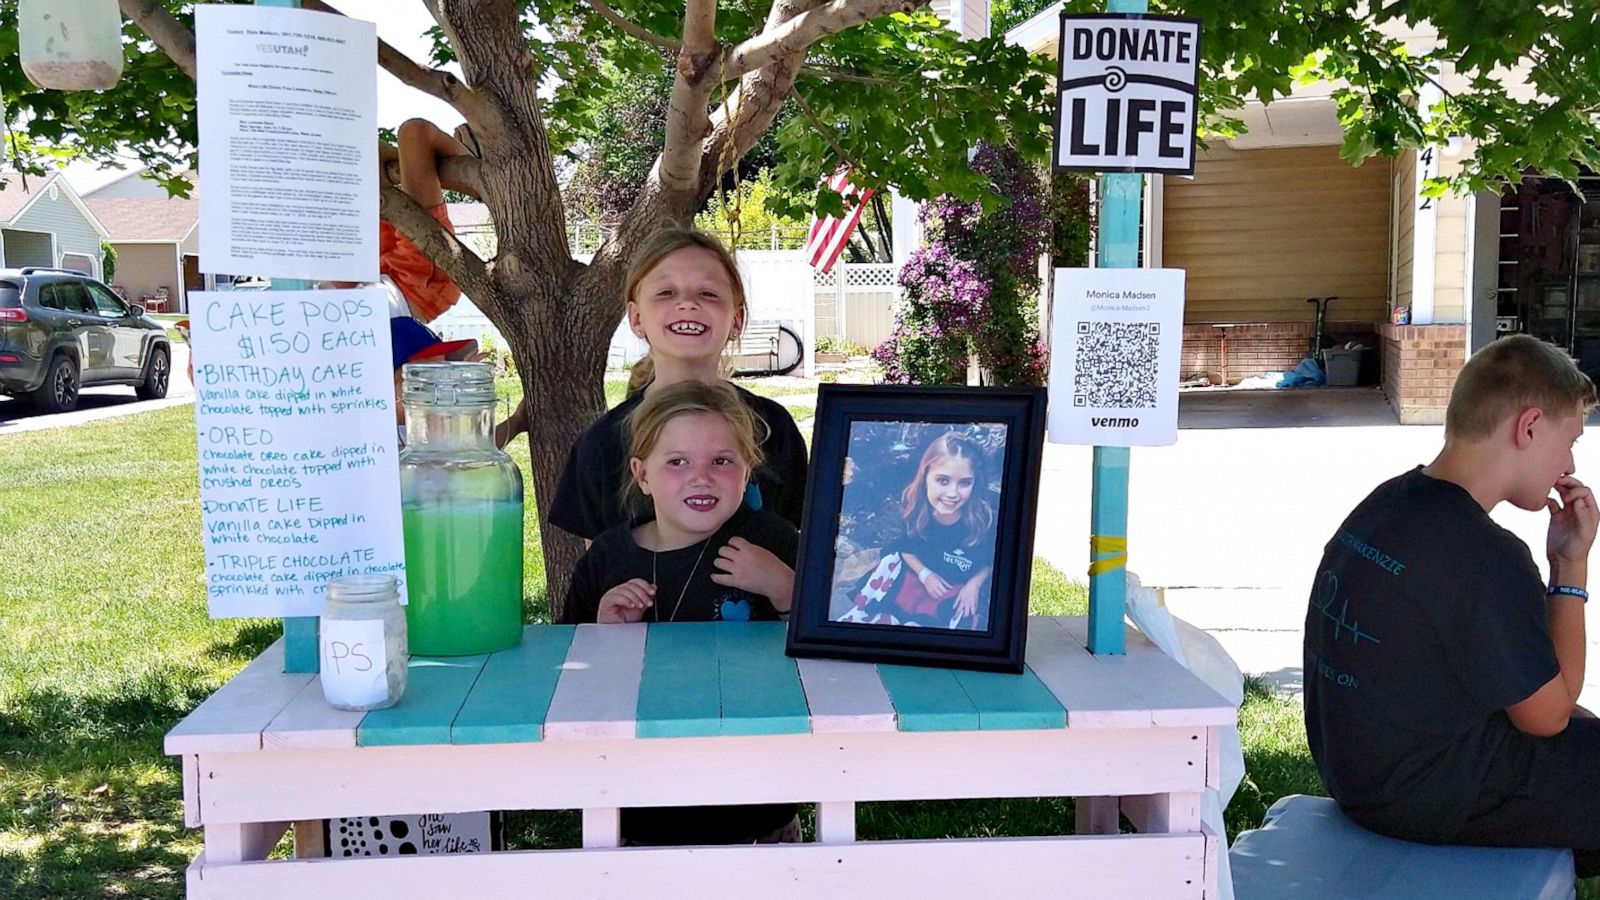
(1115, 340)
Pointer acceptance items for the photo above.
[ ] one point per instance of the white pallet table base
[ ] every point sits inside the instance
(1122, 867)
(1141, 740)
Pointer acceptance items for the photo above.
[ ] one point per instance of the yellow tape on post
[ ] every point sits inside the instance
(1117, 547)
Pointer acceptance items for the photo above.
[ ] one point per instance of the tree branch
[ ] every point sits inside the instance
(161, 26)
(633, 28)
(797, 34)
(687, 122)
(465, 268)
(434, 82)
(833, 73)
(821, 127)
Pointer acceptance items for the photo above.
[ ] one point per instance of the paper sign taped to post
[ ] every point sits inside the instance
(1128, 95)
(288, 123)
(295, 418)
(1115, 340)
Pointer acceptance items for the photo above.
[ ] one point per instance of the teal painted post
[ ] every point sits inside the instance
(299, 632)
(1118, 244)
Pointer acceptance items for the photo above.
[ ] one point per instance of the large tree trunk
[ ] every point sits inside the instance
(559, 338)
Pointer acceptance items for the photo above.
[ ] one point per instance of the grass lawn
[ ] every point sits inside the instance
(107, 644)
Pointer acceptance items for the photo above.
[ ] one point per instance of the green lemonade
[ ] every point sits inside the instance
(463, 576)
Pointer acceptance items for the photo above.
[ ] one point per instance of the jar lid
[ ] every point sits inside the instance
(435, 384)
(363, 588)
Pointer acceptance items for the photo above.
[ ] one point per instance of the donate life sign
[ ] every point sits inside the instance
(1127, 98)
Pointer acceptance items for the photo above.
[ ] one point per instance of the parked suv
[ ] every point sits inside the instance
(61, 330)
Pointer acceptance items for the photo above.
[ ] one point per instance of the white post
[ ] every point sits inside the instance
(842, 299)
(1425, 225)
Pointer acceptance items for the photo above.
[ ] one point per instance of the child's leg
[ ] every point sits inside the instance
(1552, 804)
(422, 145)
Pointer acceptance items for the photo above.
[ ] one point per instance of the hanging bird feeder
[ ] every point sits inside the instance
(70, 45)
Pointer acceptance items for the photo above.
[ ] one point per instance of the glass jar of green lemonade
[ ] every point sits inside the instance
(461, 505)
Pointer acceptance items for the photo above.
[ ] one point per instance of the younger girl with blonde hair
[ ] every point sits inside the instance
(699, 556)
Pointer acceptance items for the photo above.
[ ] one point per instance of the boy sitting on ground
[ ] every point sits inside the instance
(1442, 672)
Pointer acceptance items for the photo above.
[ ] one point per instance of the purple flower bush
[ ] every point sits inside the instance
(973, 290)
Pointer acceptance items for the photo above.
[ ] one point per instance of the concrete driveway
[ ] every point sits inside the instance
(1232, 519)
(17, 416)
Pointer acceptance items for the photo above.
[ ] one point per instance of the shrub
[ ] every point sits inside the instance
(974, 289)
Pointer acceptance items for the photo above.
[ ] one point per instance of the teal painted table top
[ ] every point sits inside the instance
(699, 680)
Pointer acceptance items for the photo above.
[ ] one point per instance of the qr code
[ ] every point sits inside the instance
(1116, 365)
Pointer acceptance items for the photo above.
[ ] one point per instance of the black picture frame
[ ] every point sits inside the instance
(845, 610)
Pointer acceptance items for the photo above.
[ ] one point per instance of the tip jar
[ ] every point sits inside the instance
(461, 506)
(362, 638)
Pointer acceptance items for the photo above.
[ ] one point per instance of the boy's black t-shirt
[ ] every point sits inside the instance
(1426, 621)
(614, 558)
(587, 499)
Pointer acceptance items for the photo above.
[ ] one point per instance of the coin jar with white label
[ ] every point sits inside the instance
(362, 639)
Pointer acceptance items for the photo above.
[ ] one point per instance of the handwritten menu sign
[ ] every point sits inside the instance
(288, 104)
(295, 415)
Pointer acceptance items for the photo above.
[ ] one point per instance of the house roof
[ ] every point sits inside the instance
(133, 184)
(18, 194)
(146, 219)
(15, 197)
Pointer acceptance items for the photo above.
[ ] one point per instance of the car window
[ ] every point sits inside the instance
(72, 297)
(48, 297)
(105, 302)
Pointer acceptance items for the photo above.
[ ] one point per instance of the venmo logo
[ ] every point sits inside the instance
(1106, 422)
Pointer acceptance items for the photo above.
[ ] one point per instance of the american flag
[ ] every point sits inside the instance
(829, 234)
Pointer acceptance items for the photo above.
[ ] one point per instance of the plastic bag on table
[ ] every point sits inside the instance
(1202, 655)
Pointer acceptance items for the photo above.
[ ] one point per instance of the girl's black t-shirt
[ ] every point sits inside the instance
(615, 558)
(588, 497)
(683, 574)
(945, 550)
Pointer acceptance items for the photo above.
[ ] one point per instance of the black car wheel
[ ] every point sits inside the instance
(156, 376)
(59, 393)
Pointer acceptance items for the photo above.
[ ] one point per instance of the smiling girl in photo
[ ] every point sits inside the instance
(938, 575)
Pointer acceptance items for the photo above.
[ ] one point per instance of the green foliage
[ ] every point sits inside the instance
(108, 261)
(756, 221)
(829, 343)
(902, 99)
(50, 126)
(1072, 219)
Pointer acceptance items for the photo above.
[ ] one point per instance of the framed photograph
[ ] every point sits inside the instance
(917, 541)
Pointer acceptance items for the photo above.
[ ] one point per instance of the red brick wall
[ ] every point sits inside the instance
(1252, 349)
(1420, 363)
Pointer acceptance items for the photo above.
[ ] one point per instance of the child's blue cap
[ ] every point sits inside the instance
(411, 341)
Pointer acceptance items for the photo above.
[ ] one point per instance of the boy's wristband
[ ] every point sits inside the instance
(1567, 590)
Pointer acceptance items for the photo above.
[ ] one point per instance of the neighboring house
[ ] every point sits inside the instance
(156, 239)
(43, 222)
(1274, 217)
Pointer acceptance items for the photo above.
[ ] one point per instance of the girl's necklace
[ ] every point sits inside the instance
(688, 580)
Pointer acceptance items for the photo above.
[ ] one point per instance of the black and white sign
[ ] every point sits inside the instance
(1127, 98)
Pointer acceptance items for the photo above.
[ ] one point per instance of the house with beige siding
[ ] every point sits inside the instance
(156, 238)
(43, 222)
(1274, 217)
